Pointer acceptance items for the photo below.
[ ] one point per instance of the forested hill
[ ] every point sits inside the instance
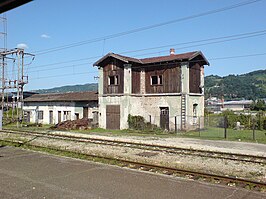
(70, 88)
(247, 86)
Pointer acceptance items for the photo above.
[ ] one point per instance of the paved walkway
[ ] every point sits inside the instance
(27, 174)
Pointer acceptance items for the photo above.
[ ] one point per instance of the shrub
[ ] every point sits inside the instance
(136, 122)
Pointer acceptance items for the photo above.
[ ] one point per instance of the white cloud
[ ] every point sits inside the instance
(22, 45)
(45, 36)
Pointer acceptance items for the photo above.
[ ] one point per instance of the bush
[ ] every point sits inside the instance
(245, 120)
(136, 122)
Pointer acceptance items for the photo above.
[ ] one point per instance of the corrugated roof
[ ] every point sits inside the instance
(63, 97)
(179, 57)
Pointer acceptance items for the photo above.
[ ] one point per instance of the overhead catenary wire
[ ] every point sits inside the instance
(215, 58)
(226, 39)
(189, 61)
(64, 75)
(104, 38)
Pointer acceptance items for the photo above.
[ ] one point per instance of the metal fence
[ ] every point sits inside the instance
(231, 127)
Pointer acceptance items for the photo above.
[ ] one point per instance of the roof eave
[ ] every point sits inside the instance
(97, 63)
(201, 54)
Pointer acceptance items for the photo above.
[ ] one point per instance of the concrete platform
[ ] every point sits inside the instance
(28, 174)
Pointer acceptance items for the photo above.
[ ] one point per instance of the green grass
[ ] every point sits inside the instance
(210, 133)
(232, 135)
(28, 127)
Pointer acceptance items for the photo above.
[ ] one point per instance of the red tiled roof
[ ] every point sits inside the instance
(179, 57)
(168, 58)
(63, 97)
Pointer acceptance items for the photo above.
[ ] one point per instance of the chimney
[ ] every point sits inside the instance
(172, 51)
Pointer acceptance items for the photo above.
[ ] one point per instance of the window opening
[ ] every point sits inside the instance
(113, 80)
(195, 106)
(157, 80)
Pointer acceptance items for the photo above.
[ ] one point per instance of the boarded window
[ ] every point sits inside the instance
(40, 115)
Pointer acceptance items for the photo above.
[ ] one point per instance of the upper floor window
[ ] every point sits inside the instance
(157, 80)
(113, 80)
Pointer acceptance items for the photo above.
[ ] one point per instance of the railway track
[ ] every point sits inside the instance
(194, 175)
(150, 147)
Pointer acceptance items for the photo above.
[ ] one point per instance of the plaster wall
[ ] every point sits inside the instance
(46, 107)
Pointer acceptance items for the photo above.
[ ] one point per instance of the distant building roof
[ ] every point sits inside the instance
(241, 102)
(179, 57)
(64, 97)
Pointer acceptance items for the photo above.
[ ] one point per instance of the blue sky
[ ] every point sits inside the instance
(46, 24)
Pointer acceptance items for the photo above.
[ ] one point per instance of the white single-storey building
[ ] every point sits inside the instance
(55, 108)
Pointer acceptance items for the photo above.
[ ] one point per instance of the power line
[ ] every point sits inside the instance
(238, 56)
(214, 58)
(237, 36)
(208, 43)
(234, 37)
(63, 47)
(68, 66)
(63, 75)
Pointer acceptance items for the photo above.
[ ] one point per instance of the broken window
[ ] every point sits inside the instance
(113, 80)
(157, 80)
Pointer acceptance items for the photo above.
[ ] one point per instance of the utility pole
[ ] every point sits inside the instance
(3, 48)
(12, 81)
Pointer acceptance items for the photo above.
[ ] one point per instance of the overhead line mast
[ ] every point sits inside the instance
(12, 80)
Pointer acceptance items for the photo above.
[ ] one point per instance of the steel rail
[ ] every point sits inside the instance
(170, 171)
(152, 147)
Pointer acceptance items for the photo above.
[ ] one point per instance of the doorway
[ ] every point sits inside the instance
(164, 118)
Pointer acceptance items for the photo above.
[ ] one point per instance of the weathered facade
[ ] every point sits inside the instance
(167, 91)
(55, 108)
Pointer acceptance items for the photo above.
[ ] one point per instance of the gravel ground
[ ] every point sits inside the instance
(217, 166)
(224, 146)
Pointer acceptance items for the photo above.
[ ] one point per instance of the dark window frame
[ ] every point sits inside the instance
(156, 80)
(113, 80)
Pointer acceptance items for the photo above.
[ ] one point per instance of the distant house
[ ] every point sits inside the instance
(10, 100)
(218, 106)
(55, 108)
(167, 91)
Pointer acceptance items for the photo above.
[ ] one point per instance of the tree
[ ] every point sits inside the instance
(259, 105)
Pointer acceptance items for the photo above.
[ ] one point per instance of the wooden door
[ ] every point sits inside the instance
(164, 118)
(113, 116)
(59, 116)
(85, 112)
(51, 117)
